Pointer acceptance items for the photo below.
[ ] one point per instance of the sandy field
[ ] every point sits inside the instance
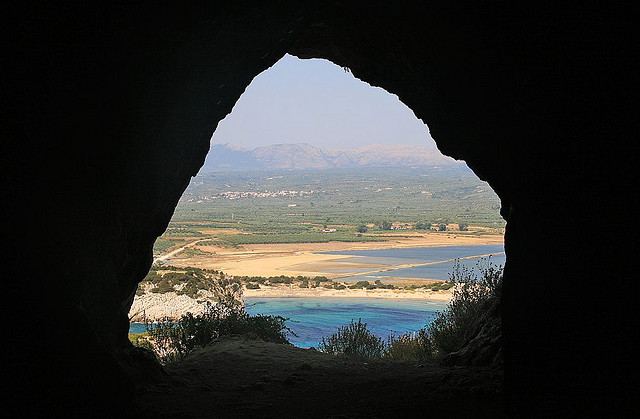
(302, 258)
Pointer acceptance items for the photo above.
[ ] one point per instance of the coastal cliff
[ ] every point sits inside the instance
(168, 293)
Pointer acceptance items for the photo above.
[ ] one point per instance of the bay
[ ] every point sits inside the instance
(313, 318)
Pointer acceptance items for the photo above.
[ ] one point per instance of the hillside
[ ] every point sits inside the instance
(304, 200)
(223, 157)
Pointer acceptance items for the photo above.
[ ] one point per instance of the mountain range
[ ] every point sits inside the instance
(225, 157)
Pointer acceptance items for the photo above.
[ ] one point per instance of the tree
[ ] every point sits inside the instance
(423, 226)
(442, 227)
(384, 225)
(362, 228)
(463, 226)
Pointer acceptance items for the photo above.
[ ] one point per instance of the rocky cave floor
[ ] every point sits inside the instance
(235, 377)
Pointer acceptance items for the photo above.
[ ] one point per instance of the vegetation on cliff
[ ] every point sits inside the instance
(172, 341)
(168, 292)
(186, 281)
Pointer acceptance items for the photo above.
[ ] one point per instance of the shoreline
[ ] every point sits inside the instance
(152, 307)
(295, 292)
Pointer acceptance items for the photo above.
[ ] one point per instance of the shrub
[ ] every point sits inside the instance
(138, 339)
(362, 228)
(440, 286)
(378, 284)
(446, 334)
(417, 346)
(174, 341)
(471, 292)
(354, 340)
(252, 286)
(422, 226)
(384, 225)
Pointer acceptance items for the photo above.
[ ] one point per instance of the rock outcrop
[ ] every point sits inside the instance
(152, 307)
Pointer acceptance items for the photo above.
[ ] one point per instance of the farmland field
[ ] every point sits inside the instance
(295, 206)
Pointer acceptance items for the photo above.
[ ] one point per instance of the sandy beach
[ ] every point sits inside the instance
(285, 291)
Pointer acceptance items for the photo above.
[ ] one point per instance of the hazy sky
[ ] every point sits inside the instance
(317, 102)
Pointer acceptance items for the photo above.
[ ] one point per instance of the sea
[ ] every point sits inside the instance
(312, 318)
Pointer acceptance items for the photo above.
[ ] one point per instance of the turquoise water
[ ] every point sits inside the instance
(315, 318)
(137, 328)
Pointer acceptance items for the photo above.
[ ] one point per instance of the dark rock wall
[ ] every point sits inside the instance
(110, 110)
(540, 102)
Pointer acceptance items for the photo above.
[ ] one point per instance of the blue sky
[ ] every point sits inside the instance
(317, 102)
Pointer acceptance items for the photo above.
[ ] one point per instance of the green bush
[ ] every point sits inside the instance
(441, 286)
(280, 279)
(471, 292)
(252, 286)
(360, 284)
(378, 284)
(409, 347)
(190, 282)
(174, 341)
(422, 226)
(384, 225)
(354, 340)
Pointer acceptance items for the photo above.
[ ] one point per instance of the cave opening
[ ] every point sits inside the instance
(324, 200)
(111, 112)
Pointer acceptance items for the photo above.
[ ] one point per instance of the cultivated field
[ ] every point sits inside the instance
(275, 223)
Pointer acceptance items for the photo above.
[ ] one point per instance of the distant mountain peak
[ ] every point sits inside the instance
(224, 157)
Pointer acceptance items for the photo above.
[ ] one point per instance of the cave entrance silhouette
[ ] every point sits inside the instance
(295, 370)
(110, 112)
(337, 109)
